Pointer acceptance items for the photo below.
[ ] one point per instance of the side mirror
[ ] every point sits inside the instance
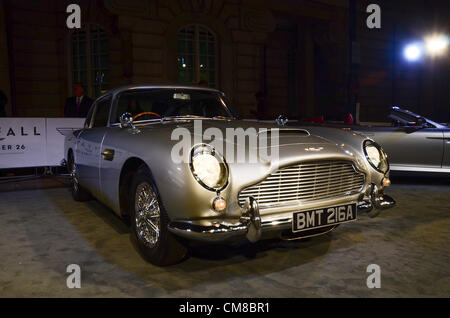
(126, 120)
(281, 120)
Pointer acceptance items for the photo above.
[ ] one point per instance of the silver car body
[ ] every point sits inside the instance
(188, 204)
(413, 143)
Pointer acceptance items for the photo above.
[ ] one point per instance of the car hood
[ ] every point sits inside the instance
(294, 142)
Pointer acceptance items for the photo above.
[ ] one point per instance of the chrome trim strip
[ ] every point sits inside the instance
(218, 230)
(439, 138)
(419, 169)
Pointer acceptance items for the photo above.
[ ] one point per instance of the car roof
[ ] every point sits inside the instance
(156, 86)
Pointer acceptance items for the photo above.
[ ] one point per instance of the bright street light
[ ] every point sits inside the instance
(413, 52)
(436, 44)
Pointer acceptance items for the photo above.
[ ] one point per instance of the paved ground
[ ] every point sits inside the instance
(43, 231)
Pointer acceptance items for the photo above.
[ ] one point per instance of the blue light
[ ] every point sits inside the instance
(413, 52)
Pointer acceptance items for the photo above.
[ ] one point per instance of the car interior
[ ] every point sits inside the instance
(155, 104)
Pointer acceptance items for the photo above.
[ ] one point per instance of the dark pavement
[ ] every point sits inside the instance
(42, 231)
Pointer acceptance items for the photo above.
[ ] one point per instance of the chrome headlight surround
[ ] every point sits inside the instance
(203, 158)
(376, 156)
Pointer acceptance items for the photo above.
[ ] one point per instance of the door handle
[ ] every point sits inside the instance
(108, 154)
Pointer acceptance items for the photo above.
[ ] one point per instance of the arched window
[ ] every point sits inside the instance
(196, 61)
(90, 59)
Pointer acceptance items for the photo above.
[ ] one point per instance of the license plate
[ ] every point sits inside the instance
(307, 220)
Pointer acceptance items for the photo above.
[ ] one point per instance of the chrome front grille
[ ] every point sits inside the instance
(306, 182)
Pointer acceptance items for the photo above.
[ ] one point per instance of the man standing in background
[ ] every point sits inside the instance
(78, 105)
(3, 102)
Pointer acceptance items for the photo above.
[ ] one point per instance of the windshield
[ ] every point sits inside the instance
(163, 103)
(405, 117)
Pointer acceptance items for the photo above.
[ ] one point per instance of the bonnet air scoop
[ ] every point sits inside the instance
(287, 131)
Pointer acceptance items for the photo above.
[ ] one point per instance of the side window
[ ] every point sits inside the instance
(122, 106)
(101, 114)
(88, 121)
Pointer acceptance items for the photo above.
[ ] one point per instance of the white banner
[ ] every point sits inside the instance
(34, 142)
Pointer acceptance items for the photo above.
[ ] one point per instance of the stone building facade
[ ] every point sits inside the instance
(270, 57)
(262, 57)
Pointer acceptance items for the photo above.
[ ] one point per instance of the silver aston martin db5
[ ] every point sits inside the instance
(148, 153)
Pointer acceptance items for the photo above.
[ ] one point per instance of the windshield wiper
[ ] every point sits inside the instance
(193, 117)
(183, 117)
(222, 117)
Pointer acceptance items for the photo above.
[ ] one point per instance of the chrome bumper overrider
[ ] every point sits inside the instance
(251, 225)
(375, 202)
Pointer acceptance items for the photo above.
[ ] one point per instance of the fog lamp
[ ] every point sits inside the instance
(219, 204)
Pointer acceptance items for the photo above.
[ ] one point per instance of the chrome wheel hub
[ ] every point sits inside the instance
(147, 214)
(73, 175)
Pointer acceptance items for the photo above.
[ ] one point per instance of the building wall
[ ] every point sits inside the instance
(152, 48)
(277, 71)
(41, 57)
(36, 57)
(4, 64)
(296, 53)
(143, 48)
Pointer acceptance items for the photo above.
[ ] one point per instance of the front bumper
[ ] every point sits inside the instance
(375, 202)
(251, 226)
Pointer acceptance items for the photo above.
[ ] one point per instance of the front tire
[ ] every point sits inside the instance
(149, 222)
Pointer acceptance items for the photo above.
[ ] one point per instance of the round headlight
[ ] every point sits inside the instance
(376, 156)
(208, 167)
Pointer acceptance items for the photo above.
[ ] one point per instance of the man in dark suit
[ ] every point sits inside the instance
(78, 105)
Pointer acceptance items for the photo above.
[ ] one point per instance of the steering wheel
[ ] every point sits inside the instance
(146, 113)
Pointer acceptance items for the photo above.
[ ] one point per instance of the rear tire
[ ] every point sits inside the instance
(149, 222)
(79, 193)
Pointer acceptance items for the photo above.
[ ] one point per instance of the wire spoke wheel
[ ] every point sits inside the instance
(78, 192)
(149, 221)
(147, 214)
(73, 175)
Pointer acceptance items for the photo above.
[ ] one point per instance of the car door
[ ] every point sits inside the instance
(88, 151)
(446, 157)
(113, 150)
